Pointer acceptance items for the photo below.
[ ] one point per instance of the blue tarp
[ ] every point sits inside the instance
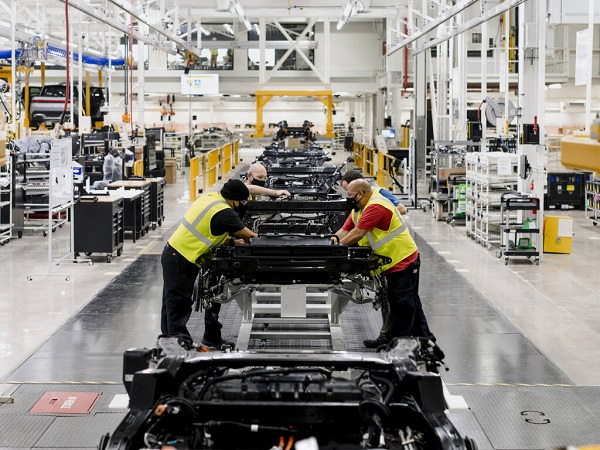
(55, 51)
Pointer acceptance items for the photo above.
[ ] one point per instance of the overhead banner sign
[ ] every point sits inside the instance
(200, 84)
(581, 57)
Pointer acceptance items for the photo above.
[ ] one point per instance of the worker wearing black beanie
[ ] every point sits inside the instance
(235, 190)
(212, 220)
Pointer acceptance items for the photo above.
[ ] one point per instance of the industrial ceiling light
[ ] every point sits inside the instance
(352, 7)
(235, 7)
(257, 29)
(228, 28)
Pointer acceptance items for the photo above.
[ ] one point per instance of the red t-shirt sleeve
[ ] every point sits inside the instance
(348, 224)
(375, 216)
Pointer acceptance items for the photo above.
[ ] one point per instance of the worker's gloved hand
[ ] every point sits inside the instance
(239, 242)
(283, 193)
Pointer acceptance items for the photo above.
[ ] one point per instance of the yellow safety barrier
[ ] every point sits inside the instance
(236, 153)
(212, 167)
(384, 168)
(206, 168)
(138, 168)
(364, 159)
(226, 159)
(358, 156)
(195, 173)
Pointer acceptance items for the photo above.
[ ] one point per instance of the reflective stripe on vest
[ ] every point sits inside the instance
(388, 237)
(191, 227)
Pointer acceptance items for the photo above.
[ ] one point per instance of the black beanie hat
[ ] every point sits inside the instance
(235, 190)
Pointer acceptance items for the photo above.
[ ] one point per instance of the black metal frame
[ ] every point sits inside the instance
(250, 400)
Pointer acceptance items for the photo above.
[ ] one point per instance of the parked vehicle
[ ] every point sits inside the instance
(49, 105)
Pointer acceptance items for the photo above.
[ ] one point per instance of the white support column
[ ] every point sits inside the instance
(590, 61)
(484, 67)
(13, 67)
(109, 74)
(379, 112)
(327, 50)
(262, 43)
(433, 97)
(420, 118)
(141, 81)
(461, 59)
(80, 88)
(532, 75)
(444, 111)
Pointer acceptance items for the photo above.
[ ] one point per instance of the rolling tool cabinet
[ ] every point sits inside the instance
(157, 201)
(520, 227)
(98, 225)
(137, 209)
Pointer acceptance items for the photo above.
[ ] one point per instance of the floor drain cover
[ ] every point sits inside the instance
(65, 403)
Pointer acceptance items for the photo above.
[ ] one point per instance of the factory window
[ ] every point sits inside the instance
(294, 61)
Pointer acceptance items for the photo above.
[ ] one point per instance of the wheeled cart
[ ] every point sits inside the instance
(520, 227)
(98, 225)
(157, 201)
(457, 204)
(137, 208)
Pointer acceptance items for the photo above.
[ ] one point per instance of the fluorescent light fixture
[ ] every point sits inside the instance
(205, 31)
(228, 28)
(234, 6)
(555, 86)
(257, 29)
(352, 7)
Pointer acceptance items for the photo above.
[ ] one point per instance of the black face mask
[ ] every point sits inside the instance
(260, 183)
(240, 209)
(352, 203)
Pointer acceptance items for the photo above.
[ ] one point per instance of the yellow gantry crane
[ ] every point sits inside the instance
(263, 97)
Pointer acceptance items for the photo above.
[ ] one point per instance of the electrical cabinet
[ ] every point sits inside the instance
(566, 190)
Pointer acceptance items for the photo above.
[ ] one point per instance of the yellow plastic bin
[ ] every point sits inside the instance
(558, 234)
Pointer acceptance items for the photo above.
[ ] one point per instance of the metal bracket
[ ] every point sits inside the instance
(6, 399)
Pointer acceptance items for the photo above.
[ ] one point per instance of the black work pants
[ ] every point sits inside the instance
(179, 276)
(406, 311)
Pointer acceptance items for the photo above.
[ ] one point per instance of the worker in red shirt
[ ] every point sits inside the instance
(375, 222)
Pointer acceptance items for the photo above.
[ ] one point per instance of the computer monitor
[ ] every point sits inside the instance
(388, 133)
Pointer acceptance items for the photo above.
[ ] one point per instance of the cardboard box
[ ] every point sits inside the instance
(444, 173)
(170, 171)
(2, 148)
(2, 162)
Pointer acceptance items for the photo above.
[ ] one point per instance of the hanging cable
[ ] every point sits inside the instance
(67, 63)
(131, 69)
(126, 118)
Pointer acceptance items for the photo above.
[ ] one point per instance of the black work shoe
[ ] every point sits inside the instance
(219, 344)
(376, 343)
